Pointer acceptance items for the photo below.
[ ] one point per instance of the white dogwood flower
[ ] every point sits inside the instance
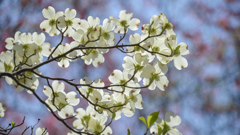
(154, 77)
(167, 126)
(58, 99)
(63, 61)
(125, 22)
(41, 131)
(178, 50)
(135, 64)
(71, 22)
(10, 42)
(49, 25)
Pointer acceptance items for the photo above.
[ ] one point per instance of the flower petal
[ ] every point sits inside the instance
(58, 86)
(116, 76)
(38, 38)
(70, 13)
(180, 62)
(133, 24)
(49, 12)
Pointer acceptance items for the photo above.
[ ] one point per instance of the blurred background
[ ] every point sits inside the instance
(206, 95)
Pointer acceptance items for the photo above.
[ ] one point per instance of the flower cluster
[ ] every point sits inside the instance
(144, 67)
(25, 50)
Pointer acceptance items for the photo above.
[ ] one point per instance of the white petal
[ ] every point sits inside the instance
(45, 26)
(61, 23)
(116, 76)
(38, 38)
(76, 23)
(77, 35)
(41, 131)
(58, 86)
(9, 42)
(172, 120)
(119, 29)
(128, 63)
(96, 96)
(141, 59)
(58, 14)
(180, 62)
(78, 124)
(135, 38)
(183, 48)
(163, 82)
(53, 31)
(152, 86)
(127, 111)
(134, 23)
(71, 98)
(100, 59)
(46, 49)
(66, 112)
(107, 26)
(139, 102)
(47, 91)
(147, 71)
(107, 131)
(64, 63)
(2, 68)
(93, 22)
(154, 130)
(49, 12)
(70, 13)
(174, 132)
(125, 16)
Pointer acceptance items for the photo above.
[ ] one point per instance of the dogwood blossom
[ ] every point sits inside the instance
(119, 77)
(135, 64)
(41, 131)
(154, 77)
(43, 47)
(107, 31)
(59, 100)
(125, 22)
(10, 42)
(91, 27)
(63, 61)
(178, 50)
(167, 126)
(49, 25)
(70, 21)
(158, 47)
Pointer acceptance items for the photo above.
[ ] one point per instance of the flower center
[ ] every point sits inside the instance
(137, 48)
(152, 31)
(69, 23)
(8, 67)
(177, 50)
(155, 49)
(106, 35)
(123, 23)
(122, 81)
(138, 67)
(52, 22)
(154, 76)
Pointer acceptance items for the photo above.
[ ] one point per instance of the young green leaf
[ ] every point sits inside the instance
(143, 120)
(129, 133)
(152, 118)
(160, 130)
(13, 123)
